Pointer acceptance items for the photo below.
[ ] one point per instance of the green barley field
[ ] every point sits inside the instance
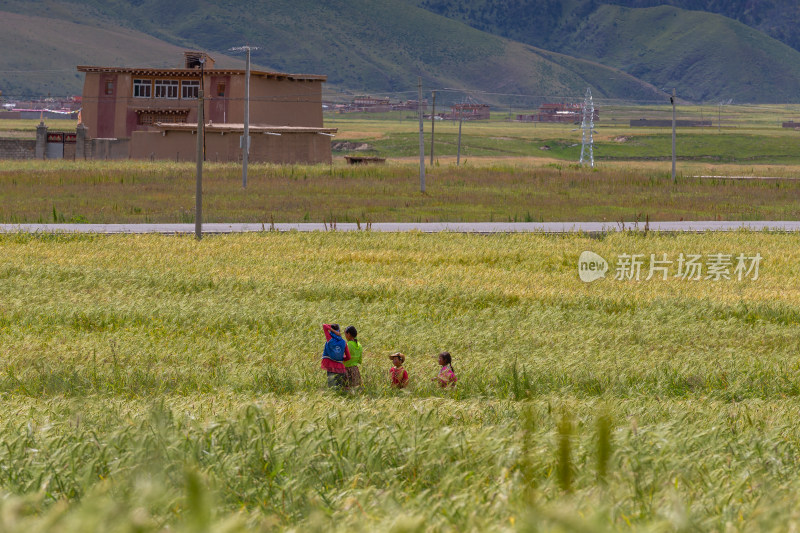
(484, 191)
(158, 383)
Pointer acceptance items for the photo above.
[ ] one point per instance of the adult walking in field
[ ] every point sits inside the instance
(353, 374)
(333, 355)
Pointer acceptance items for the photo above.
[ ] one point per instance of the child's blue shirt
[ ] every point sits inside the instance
(334, 348)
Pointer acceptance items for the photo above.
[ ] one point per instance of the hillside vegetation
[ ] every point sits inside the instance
(520, 47)
(706, 56)
(777, 18)
(360, 45)
(516, 19)
(43, 53)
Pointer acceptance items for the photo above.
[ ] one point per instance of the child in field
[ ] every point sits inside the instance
(352, 373)
(333, 355)
(447, 377)
(397, 372)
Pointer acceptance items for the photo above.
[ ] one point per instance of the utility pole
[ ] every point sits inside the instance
(198, 198)
(245, 141)
(587, 128)
(421, 139)
(246, 150)
(433, 123)
(460, 120)
(674, 157)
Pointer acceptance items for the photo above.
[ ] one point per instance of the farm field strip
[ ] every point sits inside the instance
(156, 381)
(99, 192)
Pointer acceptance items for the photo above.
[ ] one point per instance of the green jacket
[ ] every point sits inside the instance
(355, 354)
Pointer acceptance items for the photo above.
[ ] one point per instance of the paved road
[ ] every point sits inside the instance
(768, 178)
(425, 227)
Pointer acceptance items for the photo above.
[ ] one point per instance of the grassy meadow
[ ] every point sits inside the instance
(745, 135)
(499, 191)
(154, 383)
(509, 172)
(26, 129)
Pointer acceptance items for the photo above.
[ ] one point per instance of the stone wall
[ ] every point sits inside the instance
(17, 148)
(83, 148)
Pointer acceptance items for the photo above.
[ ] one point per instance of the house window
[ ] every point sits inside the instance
(190, 89)
(220, 89)
(142, 88)
(109, 88)
(166, 89)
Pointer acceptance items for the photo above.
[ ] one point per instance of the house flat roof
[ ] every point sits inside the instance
(193, 72)
(239, 128)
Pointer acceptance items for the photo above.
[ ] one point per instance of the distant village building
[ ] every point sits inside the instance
(558, 113)
(156, 110)
(411, 105)
(469, 111)
(376, 104)
(370, 104)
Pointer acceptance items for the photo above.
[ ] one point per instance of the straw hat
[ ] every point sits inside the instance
(398, 354)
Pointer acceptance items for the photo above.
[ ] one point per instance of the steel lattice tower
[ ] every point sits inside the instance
(587, 129)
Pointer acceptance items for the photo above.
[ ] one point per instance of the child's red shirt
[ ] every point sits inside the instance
(447, 377)
(399, 376)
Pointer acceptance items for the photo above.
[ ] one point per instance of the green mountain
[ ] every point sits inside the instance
(541, 49)
(779, 19)
(706, 56)
(379, 46)
(40, 53)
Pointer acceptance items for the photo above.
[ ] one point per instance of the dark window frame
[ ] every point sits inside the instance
(190, 89)
(142, 88)
(167, 89)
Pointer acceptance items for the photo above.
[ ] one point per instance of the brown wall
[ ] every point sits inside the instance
(103, 149)
(278, 102)
(309, 148)
(218, 108)
(106, 116)
(273, 102)
(89, 110)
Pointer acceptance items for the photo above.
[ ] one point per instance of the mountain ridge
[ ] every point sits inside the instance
(381, 46)
(701, 38)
